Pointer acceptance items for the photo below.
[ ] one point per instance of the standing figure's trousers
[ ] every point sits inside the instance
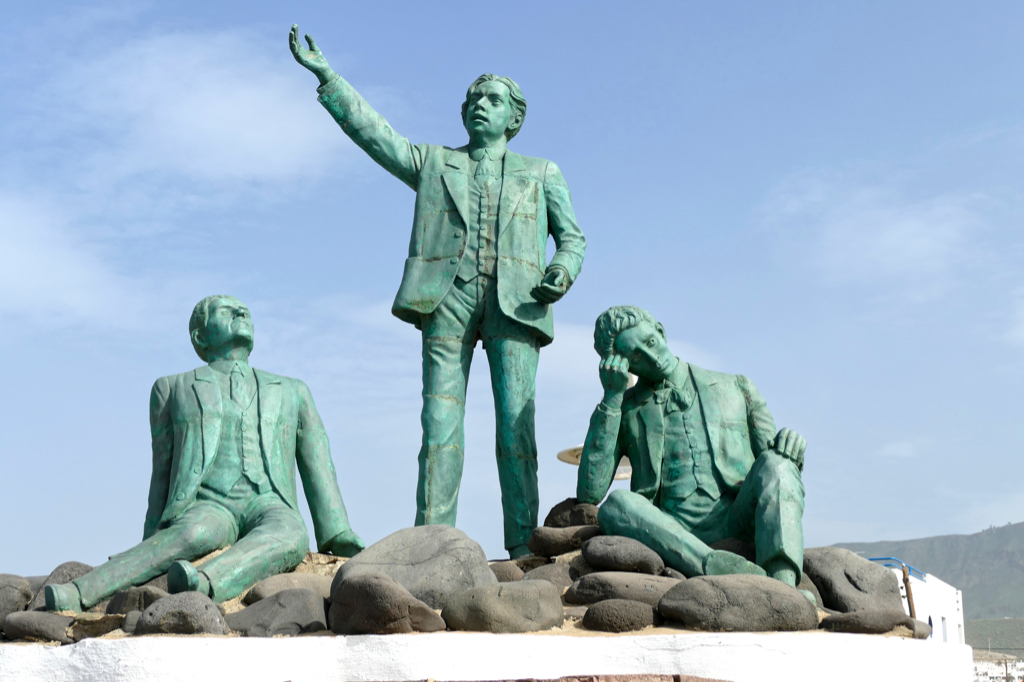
(265, 535)
(766, 512)
(469, 312)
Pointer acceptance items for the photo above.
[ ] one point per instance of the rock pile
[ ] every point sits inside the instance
(434, 578)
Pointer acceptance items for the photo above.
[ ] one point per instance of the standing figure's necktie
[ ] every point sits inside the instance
(484, 167)
(237, 385)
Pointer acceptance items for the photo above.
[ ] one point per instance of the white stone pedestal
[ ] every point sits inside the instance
(740, 657)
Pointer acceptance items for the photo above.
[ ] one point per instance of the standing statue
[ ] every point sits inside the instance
(707, 463)
(476, 271)
(226, 440)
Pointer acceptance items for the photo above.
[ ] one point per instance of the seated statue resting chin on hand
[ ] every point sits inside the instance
(707, 462)
(226, 442)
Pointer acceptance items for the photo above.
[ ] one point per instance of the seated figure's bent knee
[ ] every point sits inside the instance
(615, 512)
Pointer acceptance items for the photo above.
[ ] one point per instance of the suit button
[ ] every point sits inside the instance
(197, 470)
(454, 261)
(245, 467)
(243, 427)
(181, 496)
(458, 235)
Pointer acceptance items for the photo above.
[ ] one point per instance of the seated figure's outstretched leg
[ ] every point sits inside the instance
(273, 540)
(204, 528)
(771, 502)
(631, 515)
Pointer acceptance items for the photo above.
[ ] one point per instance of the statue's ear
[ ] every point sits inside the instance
(197, 338)
(661, 330)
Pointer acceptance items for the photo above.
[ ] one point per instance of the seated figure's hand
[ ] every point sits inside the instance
(790, 445)
(614, 373)
(553, 287)
(312, 59)
(346, 544)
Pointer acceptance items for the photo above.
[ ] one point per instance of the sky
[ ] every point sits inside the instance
(825, 197)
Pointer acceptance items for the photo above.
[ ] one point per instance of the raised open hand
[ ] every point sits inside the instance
(312, 59)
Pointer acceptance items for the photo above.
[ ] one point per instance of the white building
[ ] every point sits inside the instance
(935, 602)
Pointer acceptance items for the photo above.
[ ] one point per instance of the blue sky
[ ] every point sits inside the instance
(826, 197)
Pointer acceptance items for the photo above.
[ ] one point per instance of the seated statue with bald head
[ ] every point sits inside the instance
(227, 440)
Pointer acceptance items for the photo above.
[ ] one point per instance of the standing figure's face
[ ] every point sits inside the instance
(489, 111)
(229, 325)
(646, 348)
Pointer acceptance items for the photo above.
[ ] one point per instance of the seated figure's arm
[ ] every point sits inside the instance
(162, 431)
(601, 450)
(320, 481)
(357, 119)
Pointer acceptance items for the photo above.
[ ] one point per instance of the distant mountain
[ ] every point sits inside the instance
(987, 566)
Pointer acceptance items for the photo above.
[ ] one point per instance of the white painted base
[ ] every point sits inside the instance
(738, 657)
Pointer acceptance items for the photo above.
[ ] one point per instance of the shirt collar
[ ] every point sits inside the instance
(225, 365)
(493, 153)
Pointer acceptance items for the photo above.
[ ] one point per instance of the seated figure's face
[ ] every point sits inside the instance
(646, 348)
(229, 322)
(489, 111)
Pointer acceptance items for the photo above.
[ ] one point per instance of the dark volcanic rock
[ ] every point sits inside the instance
(550, 542)
(38, 626)
(376, 604)
(284, 612)
(134, 599)
(641, 587)
(874, 623)
(506, 571)
(559, 575)
(619, 615)
(616, 553)
(525, 606)
(185, 613)
(808, 584)
(530, 562)
(321, 584)
(669, 572)
(569, 512)
(432, 562)
(159, 582)
(15, 595)
(65, 573)
(745, 603)
(848, 582)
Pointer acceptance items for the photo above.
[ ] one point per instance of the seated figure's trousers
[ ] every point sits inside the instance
(469, 312)
(766, 512)
(264, 537)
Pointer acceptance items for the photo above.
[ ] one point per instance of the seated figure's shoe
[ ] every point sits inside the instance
(182, 576)
(521, 550)
(64, 597)
(720, 562)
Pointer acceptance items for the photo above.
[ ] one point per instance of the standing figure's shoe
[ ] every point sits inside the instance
(182, 576)
(64, 597)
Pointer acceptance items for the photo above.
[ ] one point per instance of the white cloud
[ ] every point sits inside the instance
(854, 229)
(216, 107)
(48, 275)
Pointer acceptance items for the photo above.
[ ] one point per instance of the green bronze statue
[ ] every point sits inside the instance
(707, 462)
(476, 271)
(226, 442)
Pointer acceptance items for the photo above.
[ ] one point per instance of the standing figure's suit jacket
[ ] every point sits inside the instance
(738, 423)
(185, 414)
(534, 203)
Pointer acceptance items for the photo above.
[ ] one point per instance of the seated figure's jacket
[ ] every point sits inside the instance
(736, 419)
(186, 412)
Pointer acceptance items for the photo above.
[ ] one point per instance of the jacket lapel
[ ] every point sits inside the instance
(654, 423)
(455, 179)
(207, 390)
(512, 188)
(709, 403)
(270, 407)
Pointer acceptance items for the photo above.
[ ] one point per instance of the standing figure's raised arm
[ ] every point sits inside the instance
(361, 123)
